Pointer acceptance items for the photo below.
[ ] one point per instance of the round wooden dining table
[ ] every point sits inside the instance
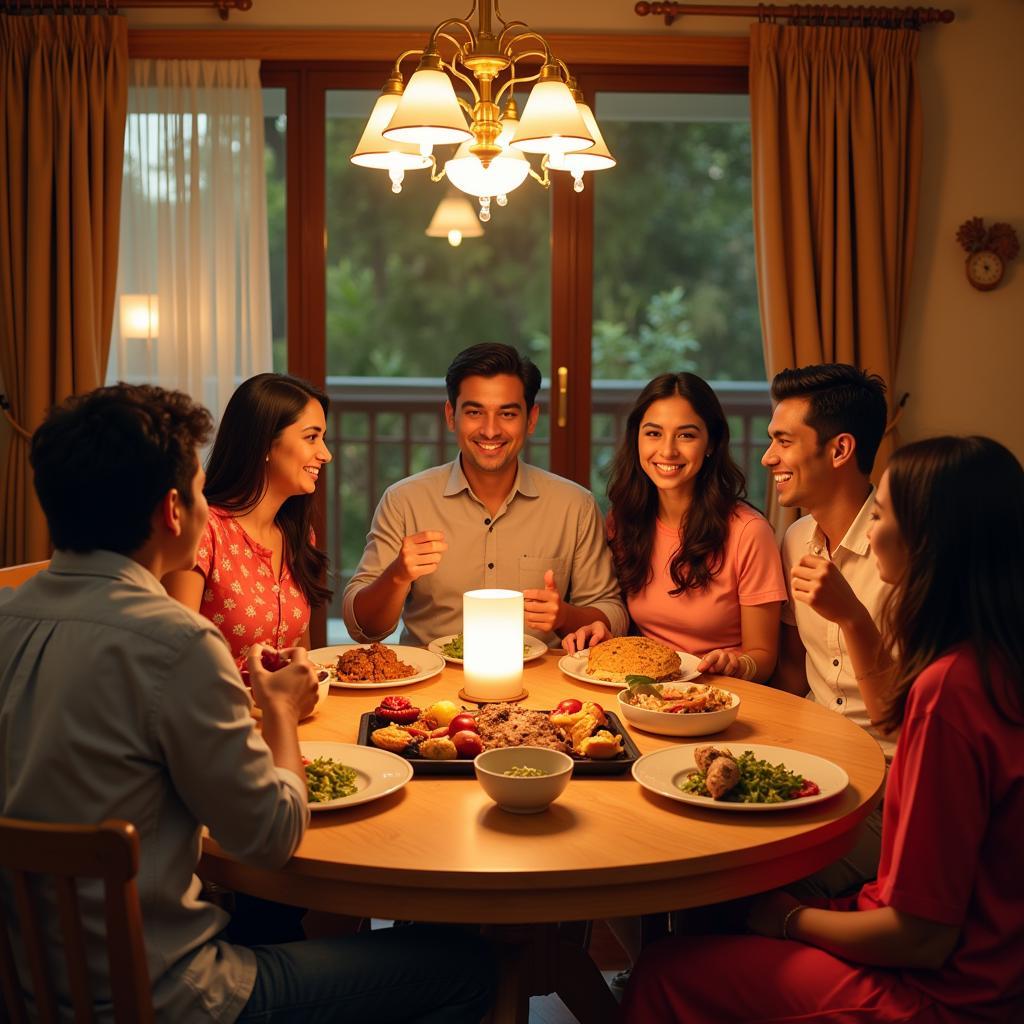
(440, 850)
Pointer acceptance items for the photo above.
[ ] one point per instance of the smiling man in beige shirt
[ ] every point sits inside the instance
(485, 520)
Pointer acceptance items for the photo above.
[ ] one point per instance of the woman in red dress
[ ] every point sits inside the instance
(939, 936)
(259, 571)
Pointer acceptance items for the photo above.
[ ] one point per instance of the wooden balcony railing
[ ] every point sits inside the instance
(382, 429)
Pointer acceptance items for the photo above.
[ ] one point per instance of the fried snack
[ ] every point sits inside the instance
(703, 756)
(567, 721)
(580, 730)
(373, 664)
(601, 745)
(438, 750)
(391, 737)
(624, 656)
(722, 775)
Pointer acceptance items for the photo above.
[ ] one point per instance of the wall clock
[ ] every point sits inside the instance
(988, 251)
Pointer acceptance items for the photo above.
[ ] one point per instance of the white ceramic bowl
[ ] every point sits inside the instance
(666, 723)
(323, 687)
(523, 795)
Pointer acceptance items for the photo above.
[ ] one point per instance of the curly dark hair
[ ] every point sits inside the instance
(719, 487)
(843, 400)
(488, 360)
(104, 461)
(236, 477)
(959, 506)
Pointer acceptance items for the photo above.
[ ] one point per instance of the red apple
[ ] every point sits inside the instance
(467, 743)
(569, 707)
(462, 723)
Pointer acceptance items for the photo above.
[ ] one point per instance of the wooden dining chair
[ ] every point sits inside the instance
(15, 575)
(62, 854)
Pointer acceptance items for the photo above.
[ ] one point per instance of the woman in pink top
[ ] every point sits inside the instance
(259, 571)
(698, 565)
(938, 937)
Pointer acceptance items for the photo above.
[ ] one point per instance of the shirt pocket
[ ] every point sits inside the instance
(531, 573)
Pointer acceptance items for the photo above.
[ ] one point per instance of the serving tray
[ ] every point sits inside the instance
(463, 766)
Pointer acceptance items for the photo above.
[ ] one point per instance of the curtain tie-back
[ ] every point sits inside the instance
(897, 415)
(19, 430)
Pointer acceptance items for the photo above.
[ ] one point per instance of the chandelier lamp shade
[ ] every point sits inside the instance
(462, 94)
(454, 219)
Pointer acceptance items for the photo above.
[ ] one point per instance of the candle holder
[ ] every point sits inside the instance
(492, 646)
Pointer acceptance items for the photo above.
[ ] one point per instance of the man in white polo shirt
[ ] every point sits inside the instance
(826, 427)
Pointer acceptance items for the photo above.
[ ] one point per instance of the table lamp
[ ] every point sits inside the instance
(492, 646)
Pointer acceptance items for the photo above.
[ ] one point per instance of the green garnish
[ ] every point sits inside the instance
(453, 649)
(646, 685)
(327, 779)
(760, 782)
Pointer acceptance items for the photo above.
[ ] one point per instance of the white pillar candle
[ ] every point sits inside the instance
(492, 644)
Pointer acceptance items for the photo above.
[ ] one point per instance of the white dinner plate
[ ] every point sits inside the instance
(575, 667)
(378, 772)
(663, 770)
(534, 648)
(426, 663)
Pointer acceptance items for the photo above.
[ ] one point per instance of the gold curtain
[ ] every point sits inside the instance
(836, 138)
(63, 84)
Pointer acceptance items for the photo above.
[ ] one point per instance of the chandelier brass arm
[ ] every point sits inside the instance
(493, 141)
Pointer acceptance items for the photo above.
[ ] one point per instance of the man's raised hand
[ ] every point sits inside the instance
(543, 608)
(420, 555)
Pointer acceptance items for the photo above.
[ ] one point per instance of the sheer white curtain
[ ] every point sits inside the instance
(194, 229)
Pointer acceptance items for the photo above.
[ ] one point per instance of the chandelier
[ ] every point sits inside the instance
(491, 139)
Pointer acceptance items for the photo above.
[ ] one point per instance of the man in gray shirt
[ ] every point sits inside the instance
(118, 702)
(485, 520)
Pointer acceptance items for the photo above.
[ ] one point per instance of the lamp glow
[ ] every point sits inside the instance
(551, 122)
(504, 173)
(492, 644)
(429, 112)
(455, 220)
(485, 63)
(140, 317)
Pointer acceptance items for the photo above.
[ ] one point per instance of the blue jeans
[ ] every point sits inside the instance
(429, 974)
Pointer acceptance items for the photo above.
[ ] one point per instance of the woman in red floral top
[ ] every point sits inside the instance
(258, 571)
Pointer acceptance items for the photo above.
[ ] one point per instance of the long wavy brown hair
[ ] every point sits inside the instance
(236, 477)
(959, 506)
(719, 487)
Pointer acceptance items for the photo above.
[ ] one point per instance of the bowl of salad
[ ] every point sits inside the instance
(677, 709)
(523, 780)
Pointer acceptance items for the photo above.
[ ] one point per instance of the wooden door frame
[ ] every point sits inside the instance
(572, 239)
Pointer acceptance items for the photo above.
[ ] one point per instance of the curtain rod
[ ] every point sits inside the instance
(913, 17)
(223, 7)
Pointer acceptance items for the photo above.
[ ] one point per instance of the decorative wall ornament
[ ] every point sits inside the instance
(988, 251)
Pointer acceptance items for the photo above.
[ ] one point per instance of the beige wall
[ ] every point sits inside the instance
(963, 351)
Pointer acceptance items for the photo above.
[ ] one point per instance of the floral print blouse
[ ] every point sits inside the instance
(241, 596)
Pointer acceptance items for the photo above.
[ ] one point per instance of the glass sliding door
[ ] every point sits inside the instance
(399, 306)
(673, 265)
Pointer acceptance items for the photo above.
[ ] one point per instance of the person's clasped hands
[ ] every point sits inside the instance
(285, 679)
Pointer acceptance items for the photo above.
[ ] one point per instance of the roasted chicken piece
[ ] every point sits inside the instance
(721, 776)
(703, 756)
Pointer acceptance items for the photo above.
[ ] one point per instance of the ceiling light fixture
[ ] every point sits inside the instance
(409, 120)
(455, 220)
